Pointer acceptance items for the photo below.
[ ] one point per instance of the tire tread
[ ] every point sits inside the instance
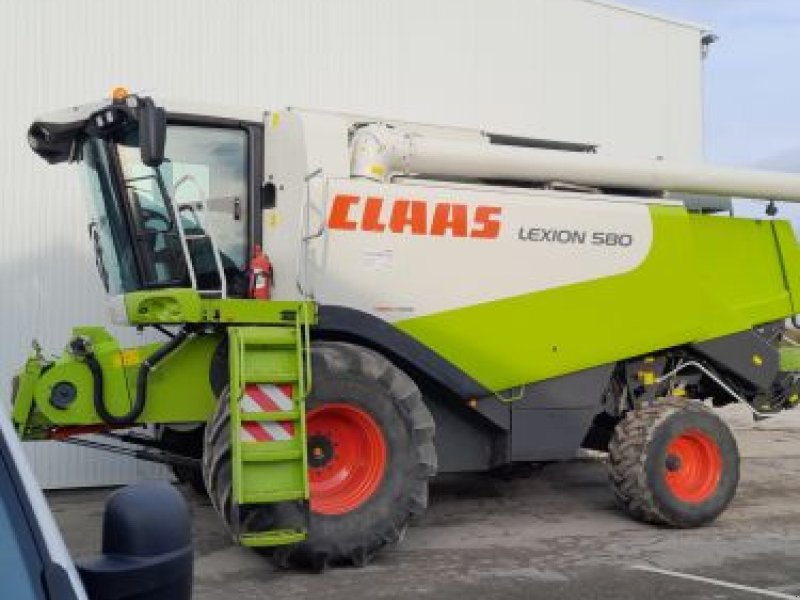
(628, 454)
(338, 359)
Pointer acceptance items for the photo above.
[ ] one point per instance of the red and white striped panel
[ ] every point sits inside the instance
(267, 431)
(265, 397)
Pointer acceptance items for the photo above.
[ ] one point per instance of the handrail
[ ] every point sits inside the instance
(223, 284)
(187, 206)
(301, 268)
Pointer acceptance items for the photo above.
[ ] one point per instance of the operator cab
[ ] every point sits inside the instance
(170, 194)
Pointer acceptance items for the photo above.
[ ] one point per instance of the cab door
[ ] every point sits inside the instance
(197, 204)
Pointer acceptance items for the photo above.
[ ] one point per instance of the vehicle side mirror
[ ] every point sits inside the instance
(147, 547)
(152, 132)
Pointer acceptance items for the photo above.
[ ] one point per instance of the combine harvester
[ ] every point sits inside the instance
(524, 299)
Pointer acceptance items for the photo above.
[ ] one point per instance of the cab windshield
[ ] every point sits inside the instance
(192, 206)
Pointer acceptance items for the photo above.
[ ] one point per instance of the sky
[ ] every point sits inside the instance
(752, 78)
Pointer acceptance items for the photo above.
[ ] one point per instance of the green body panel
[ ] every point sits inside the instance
(23, 415)
(790, 260)
(166, 306)
(178, 306)
(704, 277)
(179, 388)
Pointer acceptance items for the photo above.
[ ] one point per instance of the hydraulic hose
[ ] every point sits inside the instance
(80, 348)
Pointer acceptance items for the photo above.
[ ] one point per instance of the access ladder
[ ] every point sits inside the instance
(270, 375)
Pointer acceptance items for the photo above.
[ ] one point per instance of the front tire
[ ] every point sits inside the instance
(370, 453)
(674, 463)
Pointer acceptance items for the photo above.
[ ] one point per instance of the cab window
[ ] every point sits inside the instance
(203, 183)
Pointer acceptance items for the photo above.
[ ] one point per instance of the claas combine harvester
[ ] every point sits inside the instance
(333, 289)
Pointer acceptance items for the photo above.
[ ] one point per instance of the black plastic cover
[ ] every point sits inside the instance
(746, 354)
(147, 547)
(346, 324)
(55, 142)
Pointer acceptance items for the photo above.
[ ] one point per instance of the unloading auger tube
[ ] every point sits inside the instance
(382, 152)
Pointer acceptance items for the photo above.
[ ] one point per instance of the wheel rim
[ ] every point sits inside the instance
(694, 466)
(346, 457)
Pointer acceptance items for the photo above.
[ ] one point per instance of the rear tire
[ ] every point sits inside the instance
(674, 463)
(371, 454)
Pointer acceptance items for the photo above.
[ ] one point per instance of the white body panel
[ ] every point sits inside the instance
(539, 240)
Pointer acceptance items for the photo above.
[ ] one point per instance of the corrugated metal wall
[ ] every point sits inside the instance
(570, 69)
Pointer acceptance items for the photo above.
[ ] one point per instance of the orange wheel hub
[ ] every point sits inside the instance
(694, 466)
(346, 457)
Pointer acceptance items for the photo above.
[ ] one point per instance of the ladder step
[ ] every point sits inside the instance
(276, 496)
(277, 537)
(273, 375)
(261, 452)
(278, 415)
(278, 365)
(271, 336)
(273, 415)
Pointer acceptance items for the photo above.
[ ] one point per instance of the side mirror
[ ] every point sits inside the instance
(152, 132)
(147, 547)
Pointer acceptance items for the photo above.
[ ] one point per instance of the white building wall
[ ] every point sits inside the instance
(567, 69)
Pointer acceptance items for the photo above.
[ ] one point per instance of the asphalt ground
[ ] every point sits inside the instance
(555, 534)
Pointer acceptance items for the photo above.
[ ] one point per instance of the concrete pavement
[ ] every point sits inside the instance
(557, 534)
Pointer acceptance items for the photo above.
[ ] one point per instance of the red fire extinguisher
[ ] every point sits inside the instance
(261, 277)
